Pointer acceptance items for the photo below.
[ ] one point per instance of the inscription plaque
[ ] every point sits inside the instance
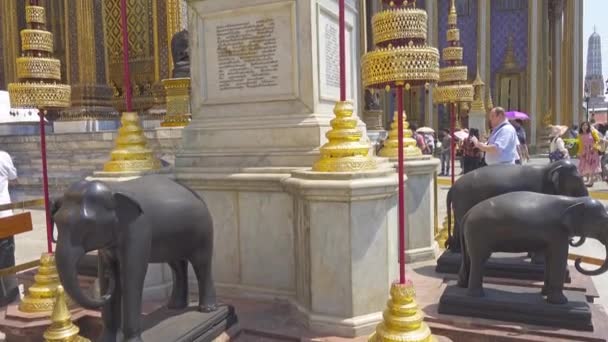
(250, 54)
(329, 57)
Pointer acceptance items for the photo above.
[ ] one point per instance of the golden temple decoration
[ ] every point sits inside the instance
(403, 23)
(40, 297)
(62, 329)
(391, 145)
(489, 102)
(510, 62)
(442, 236)
(131, 153)
(37, 70)
(411, 64)
(344, 151)
(453, 86)
(178, 102)
(403, 320)
(478, 104)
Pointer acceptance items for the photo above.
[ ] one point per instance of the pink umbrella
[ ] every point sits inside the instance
(514, 115)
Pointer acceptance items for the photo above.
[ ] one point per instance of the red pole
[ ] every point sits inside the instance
(401, 185)
(125, 55)
(342, 51)
(452, 129)
(45, 185)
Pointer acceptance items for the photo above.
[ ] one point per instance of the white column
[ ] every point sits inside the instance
(432, 40)
(534, 41)
(483, 38)
(557, 72)
(577, 61)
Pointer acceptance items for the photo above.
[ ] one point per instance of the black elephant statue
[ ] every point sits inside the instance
(526, 221)
(151, 219)
(558, 178)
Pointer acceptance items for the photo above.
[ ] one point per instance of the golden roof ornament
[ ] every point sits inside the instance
(489, 102)
(509, 61)
(62, 329)
(38, 72)
(478, 105)
(453, 76)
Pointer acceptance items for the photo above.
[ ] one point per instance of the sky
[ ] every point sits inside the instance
(594, 14)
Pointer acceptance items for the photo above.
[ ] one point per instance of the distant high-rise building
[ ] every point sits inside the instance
(594, 81)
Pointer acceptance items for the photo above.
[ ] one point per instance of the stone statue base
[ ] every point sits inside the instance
(500, 265)
(189, 325)
(518, 304)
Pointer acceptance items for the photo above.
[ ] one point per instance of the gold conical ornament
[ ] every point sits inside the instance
(391, 145)
(40, 297)
(478, 105)
(453, 86)
(443, 236)
(62, 329)
(131, 152)
(344, 150)
(489, 102)
(403, 320)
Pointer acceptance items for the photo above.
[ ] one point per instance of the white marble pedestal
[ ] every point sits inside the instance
(345, 234)
(159, 279)
(478, 120)
(419, 199)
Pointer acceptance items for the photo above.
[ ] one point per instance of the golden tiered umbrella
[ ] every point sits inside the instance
(401, 59)
(39, 87)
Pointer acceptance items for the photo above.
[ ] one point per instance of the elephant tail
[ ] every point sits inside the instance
(448, 205)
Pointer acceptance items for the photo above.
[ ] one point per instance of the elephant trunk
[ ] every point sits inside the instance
(67, 258)
(602, 269)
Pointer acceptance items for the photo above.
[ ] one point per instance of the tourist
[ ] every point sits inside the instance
(557, 148)
(501, 147)
(8, 284)
(471, 155)
(522, 148)
(588, 155)
(446, 148)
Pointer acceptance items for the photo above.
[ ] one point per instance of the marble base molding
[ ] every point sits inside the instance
(306, 237)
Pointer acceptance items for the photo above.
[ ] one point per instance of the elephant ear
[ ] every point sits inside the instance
(127, 209)
(572, 217)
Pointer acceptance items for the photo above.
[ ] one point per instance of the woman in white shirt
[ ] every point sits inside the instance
(557, 148)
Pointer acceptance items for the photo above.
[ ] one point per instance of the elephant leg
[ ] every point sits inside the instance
(546, 286)
(133, 275)
(465, 266)
(111, 312)
(557, 274)
(477, 264)
(538, 257)
(201, 262)
(179, 294)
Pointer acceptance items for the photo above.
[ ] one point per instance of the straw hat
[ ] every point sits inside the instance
(558, 130)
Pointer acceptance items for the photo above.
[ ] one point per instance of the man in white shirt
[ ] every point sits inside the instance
(8, 284)
(501, 147)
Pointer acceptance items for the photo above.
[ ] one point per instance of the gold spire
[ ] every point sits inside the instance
(391, 145)
(478, 105)
(131, 152)
(510, 62)
(403, 320)
(344, 151)
(62, 329)
(489, 102)
(453, 78)
(40, 296)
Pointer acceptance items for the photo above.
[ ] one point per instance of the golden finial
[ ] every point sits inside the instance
(489, 101)
(478, 105)
(62, 329)
(452, 16)
(403, 320)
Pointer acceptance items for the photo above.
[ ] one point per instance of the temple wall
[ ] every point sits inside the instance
(505, 22)
(73, 156)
